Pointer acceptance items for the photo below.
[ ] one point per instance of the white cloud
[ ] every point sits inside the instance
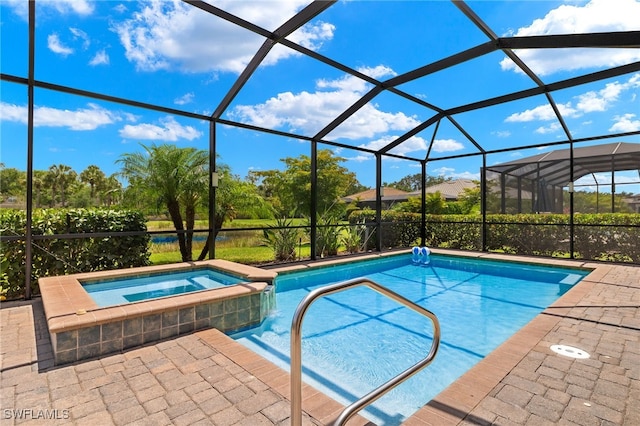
(378, 72)
(308, 112)
(602, 99)
(100, 58)
(443, 171)
(120, 8)
(187, 98)
(168, 130)
(174, 35)
(449, 172)
(79, 34)
(447, 145)
(542, 113)
(81, 119)
(591, 101)
(55, 45)
(625, 123)
(594, 16)
(64, 7)
(365, 156)
(412, 144)
(621, 177)
(501, 133)
(79, 7)
(551, 128)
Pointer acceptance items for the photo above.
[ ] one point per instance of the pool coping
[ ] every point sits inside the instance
(453, 404)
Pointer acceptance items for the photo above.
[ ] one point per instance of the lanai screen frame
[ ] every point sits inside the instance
(623, 39)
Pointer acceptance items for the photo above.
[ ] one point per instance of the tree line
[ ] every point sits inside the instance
(61, 186)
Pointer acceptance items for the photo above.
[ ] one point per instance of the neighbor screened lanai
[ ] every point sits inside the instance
(529, 99)
(537, 183)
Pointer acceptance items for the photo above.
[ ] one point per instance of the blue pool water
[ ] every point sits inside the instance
(116, 291)
(358, 339)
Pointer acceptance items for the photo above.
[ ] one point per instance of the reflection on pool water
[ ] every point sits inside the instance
(356, 340)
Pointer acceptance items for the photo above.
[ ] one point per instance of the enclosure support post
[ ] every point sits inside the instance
(314, 197)
(572, 233)
(503, 193)
(379, 201)
(483, 200)
(29, 235)
(519, 194)
(423, 219)
(212, 190)
(613, 184)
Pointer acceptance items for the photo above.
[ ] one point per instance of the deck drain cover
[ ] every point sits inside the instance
(569, 351)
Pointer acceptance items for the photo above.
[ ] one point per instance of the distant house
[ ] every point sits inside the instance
(367, 198)
(450, 191)
(633, 202)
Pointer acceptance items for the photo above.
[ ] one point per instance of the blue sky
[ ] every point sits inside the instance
(174, 55)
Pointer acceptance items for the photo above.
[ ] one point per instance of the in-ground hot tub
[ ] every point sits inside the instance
(81, 329)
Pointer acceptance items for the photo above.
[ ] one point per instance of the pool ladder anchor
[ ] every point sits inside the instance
(296, 349)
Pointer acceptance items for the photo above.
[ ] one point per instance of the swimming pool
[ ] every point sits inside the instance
(356, 340)
(116, 291)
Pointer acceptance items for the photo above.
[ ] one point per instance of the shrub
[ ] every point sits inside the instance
(328, 236)
(56, 256)
(398, 228)
(282, 239)
(354, 237)
(606, 236)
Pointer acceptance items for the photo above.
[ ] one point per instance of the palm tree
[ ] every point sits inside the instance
(94, 177)
(59, 178)
(39, 181)
(232, 195)
(177, 177)
(111, 190)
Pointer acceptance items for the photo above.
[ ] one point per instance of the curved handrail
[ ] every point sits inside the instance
(296, 348)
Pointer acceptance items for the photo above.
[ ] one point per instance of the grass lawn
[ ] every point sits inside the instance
(240, 246)
(245, 255)
(167, 225)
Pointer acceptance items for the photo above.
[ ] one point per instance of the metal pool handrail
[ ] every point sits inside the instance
(296, 348)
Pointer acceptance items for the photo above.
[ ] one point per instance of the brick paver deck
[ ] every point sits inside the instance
(208, 379)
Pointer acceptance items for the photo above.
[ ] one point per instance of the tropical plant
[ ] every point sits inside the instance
(354, 237)
(39, 184)
(111, 190)
(175, 177)
(94, 177)
(282, 239)
(60, 179)
(234, 197)
(328, 233)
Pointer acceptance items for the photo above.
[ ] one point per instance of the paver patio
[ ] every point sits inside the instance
(206, 378)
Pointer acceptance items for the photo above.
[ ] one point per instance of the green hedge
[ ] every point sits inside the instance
(66, 256)
(399, 229)
(606, 236)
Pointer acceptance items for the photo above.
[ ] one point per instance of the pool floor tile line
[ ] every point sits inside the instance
(207, 378)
